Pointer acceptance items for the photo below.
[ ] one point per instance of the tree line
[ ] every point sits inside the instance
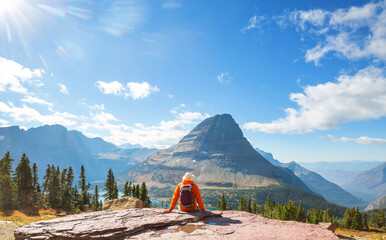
(352, 218)
(21, 188)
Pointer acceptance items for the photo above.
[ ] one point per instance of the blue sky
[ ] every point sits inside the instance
(305, 80)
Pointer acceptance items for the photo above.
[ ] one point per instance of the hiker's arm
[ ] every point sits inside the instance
(196, 192)
(176, 196)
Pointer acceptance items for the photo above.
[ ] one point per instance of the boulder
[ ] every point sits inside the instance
(122, 203)
(149, 223)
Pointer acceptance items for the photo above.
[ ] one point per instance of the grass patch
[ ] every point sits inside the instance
(28, 215)
(372, 233)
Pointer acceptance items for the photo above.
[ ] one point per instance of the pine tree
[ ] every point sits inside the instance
(240, 208)
(137, 191)
(267, 206)
(249, 207)
(46, 178)
(35, 185)
(372, 220)
(347, 219)
(95, 199)
(129, 191)
(133, 190)
(115, 191)
(380, 219)
(126, 189)
(109, 186)
(218, 206)
(54, 188)
(143, 194)
(6, 184)
(223, 203)
(365, 225)
(84, 199)
(300, 214)
(254, 206)
(23, 181)
(357, 220)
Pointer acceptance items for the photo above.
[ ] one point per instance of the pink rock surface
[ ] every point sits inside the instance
(153, 224)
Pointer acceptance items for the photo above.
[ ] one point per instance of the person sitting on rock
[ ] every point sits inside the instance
(188, 193)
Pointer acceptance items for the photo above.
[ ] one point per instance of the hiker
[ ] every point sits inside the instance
(188, 193)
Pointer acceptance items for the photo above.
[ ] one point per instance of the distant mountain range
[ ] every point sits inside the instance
(368, 185)
(330, 191)
(56, 145)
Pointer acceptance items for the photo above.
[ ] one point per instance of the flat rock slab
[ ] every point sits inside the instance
(106, 224)
(153, 224)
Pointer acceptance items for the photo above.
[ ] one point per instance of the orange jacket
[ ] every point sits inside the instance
(196, 196)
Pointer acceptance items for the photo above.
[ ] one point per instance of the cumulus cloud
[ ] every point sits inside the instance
(31, 99)
(13, 76)
(353, 33)
(114, 87)
(161, 135)
(360, 140)
(134, 90)
(25, 114)
(140, 90)
(63, 88)
(324, 106)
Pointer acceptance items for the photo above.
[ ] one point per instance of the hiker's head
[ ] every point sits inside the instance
(188, 176)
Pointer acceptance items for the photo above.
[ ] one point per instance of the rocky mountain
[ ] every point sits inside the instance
(369, 185)
(380, 203)
(218, 154)
(330, 191)
(56, 145)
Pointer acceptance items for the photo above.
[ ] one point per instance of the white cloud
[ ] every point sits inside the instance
(255, 22)
(171, 4)
(134, 90)
(115, 87)
(353, 33)
(324, 106)
(360, 140)
(31, 99)
(98, 107)
(63, 88)
(3, 122)
(224, 77)
(140, 90)
(170, 95)
(26, 114)
(13, 76)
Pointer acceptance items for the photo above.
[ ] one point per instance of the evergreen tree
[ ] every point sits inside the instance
(347, 219)
(35, 185)
(6, 184)
(372, 220)
(380, 219)
(126, 189)
(54, 188)
(357, 220)
(218, 206)
(240, 208)
(129, 191)
(143, 195)
(95, 199)
(115, 191)
(109, 186)
(223, 203)
(254, 206)
(23, 181)
(300, 214)
(365, 225)
(249, 207)
(133, 190)
(267, 206)
(137, 191)
(84, 199)
(46, 178)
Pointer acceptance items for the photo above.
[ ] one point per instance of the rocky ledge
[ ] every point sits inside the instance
(152, 223)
